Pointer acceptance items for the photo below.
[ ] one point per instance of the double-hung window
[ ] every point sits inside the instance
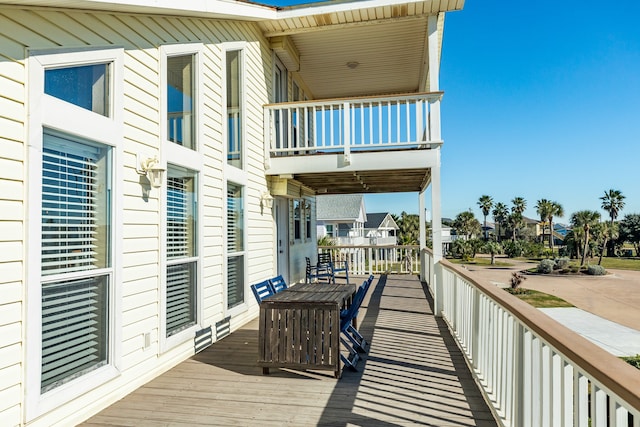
(181, 246)
(75, 127)
(235, 245)
(75, 267)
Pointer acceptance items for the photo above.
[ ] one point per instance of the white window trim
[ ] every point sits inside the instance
(46, 111)
(226, 47)
(244, 306)
(192, 159)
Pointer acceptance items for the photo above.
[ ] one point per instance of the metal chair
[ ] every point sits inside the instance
(318, 272)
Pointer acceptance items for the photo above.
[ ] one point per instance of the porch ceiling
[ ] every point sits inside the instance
(378, 181)
(366, 51)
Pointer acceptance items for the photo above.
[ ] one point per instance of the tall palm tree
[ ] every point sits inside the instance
(500, 212)
(543, 207)
(613, 203)
(558, 211)
(519, 205)
(515, 222)
(486, 203)
(516, 219)
(585, 220)
(607, 231)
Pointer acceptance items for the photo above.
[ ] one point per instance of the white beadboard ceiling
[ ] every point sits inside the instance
(388, 41)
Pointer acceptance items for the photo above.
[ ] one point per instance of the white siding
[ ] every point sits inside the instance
(139, 287)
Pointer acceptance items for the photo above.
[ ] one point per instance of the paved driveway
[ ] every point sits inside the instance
(615, 297)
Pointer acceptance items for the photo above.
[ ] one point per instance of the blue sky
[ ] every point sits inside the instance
(541, 101)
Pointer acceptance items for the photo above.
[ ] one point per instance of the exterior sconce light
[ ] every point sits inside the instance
(150, 167)
(266, 201)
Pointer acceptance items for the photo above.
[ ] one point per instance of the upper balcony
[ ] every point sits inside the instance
(353, 145)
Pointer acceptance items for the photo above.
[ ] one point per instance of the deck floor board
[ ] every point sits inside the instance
(413, 374)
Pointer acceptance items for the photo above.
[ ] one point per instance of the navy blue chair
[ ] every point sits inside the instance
(349, 335)
(278, 283)
(262, 290)
(319, 272)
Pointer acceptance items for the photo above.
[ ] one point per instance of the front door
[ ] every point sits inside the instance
(282, 224)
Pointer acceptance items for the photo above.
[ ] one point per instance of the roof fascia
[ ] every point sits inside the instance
(334, 6)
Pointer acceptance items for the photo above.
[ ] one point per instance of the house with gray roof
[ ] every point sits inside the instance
(342, 218)
(381, 229)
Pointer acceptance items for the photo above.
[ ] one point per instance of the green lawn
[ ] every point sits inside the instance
(620, 263)
(539, 299)
(479, 261)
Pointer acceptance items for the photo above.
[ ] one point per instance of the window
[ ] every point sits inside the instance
(86, 86)
(297, 206)
(181, 250)
(180, 100)
(75, 254)
(234, 108)
(329, 228)
(308, 219)
(235, 245)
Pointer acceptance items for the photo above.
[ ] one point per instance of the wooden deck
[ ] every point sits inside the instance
(413, 375)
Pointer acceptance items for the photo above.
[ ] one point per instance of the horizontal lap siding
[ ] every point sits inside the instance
(12, 224)
(141, 37)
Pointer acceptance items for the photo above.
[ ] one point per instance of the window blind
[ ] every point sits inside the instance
(180, 297)
(181, 277)
(235, 245)
(70, 227)
(74, 329)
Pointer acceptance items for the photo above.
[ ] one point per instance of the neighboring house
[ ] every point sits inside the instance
(157, 158)
(381, 229)
(342, 218)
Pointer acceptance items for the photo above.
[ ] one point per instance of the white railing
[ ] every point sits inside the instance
(344, 125)
(532, 370)
(368, 259)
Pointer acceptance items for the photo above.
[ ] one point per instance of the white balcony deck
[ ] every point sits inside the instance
(413, 374)
(355, 143)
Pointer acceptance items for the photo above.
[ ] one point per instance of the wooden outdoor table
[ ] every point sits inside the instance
(300, 329)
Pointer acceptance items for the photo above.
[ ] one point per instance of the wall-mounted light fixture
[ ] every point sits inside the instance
(266, 201)
(151, 168)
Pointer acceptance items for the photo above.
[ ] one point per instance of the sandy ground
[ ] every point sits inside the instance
(615, 297)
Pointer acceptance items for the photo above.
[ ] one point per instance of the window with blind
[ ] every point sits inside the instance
(235, 245)
(180, 100)
(75, 254)
(181, 250)
(297, 206)
(234, 108)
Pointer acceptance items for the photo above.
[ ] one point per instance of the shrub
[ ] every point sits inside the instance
(596, 270)
(562, 263)
(513, 249)
(546, 266)
(633, 360)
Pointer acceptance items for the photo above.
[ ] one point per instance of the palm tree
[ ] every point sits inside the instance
(466, 224)
(607, 231)
(613, 203)
(500, 212)
(486, 203)
(409, 228)
(585, 220)
(519, 205)
(515, 219)
(543, 207)
(558, 211)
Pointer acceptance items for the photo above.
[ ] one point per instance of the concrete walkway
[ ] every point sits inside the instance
(607, 308)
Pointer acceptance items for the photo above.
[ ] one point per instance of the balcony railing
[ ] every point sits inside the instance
(352, 124)
(533, 372)
(374, 259)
